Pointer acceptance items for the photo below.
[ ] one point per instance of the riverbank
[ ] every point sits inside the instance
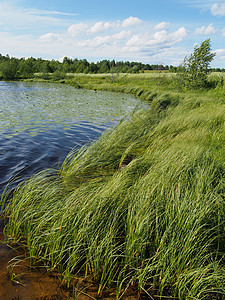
(19, 281)
(145, 85)
(147, 212)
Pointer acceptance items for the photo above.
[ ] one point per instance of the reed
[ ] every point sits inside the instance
(142, 206)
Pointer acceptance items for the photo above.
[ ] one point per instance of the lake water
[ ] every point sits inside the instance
(41, 122)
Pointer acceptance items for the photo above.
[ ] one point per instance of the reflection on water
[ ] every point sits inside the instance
(40, 123)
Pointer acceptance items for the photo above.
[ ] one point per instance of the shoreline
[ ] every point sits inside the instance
(154, 223)
(20, 281)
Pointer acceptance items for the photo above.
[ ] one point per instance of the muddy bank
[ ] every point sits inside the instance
(19, 282)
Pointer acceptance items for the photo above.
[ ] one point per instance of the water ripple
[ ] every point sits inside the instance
(41, 123)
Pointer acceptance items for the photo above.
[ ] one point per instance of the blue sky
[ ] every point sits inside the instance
(148, 31)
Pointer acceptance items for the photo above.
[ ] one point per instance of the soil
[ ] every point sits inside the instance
(21, 282)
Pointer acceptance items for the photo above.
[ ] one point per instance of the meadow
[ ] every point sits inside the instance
(141, 207)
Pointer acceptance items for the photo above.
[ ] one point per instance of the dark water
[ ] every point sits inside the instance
(41, 123)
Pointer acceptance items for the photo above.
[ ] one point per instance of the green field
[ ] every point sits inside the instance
(144, 205)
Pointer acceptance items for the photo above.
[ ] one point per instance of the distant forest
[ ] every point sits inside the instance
(12, 68)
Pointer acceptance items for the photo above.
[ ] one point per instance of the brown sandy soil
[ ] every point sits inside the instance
(24, 283)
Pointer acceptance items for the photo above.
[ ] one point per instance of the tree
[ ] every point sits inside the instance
(27, 68)
(45, 70)
(104, 66)
(193, 71)
(93, 68)
(10, 69)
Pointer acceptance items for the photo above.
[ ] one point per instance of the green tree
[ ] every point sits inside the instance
(27, 68)
(193, 71)
(45, 70)
(104, 66)
(93, 68)
(80, 67)
(10, 69)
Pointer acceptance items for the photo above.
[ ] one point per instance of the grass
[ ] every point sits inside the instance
(142, 206)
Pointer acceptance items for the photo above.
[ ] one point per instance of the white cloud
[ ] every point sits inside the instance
(87, 29)
(161, 25)
(136, 46)
(154, 48)
(121, 35)
(204, 30)
(174, 55)
(46, 12)
(220, 54)
(102, 41)
(178, 35)
(201, 4)
(218, 9)
(223, 31)
(101, 26)
(81, 28)
(77, 29)
(95, 42)
(158, 47)
(17, 18)
(158, 39)
(131, 21)
(49, 37)
(22, 45)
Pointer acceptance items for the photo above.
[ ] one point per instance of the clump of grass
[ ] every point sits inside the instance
(143, 205)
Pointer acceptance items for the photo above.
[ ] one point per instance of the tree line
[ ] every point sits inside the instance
(12, 68)
(192, 72)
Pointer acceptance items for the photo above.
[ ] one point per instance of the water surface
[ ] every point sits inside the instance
(41, 122)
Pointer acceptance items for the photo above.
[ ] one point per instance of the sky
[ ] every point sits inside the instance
(154, 32)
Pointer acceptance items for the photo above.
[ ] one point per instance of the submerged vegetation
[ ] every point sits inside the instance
(142, 206)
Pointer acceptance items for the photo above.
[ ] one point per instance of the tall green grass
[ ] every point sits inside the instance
(143, 205)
